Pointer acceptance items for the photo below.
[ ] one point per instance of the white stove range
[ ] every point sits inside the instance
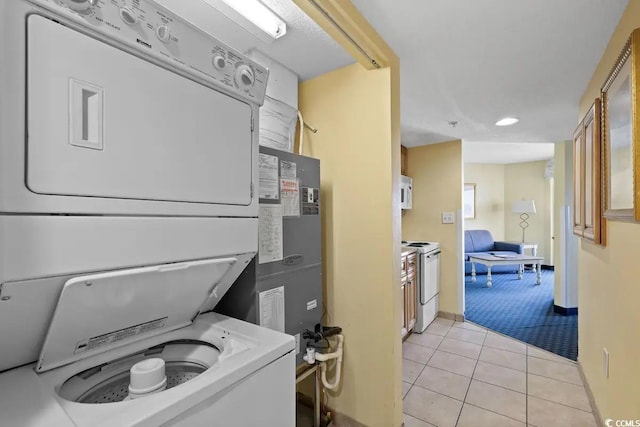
(428, 281)
(421, 247)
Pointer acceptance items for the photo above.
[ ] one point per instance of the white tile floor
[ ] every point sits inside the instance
(459, 374)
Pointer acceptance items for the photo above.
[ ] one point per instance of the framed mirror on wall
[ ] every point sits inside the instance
(592, 184)
(578, 180)
(587, 183)
(621, 133)
(469, 201)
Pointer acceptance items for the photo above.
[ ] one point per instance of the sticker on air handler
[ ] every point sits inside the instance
(310, 201)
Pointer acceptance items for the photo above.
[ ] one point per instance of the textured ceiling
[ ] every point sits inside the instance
(306, 49)
(505, 152)
(468, 61)
(477, 61)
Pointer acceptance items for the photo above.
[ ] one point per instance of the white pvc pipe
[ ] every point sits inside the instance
(323, 358)
(301, 132)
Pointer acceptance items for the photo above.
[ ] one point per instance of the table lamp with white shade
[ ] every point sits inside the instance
(524, 208)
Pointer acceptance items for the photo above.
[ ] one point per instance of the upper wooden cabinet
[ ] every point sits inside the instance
(587, 184)
(403, 160)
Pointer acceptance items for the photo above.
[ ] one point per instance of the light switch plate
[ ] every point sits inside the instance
(448, 218)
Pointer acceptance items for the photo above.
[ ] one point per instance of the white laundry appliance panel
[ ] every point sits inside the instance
(253, 362)
(158, 136)
(69, 226)
(101, 117)
(114, 310)
(121, 306)
(39, 254)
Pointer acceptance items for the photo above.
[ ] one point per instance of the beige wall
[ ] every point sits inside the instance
(437, 187)
(357, 114)
(497, 187)
(489, 180)
(526, 180)
(608, 292)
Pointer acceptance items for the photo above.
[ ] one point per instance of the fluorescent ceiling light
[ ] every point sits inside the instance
(256, 13)
(507, 121)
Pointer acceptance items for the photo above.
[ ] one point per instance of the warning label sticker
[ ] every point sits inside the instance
(112, 337)
(310, 201)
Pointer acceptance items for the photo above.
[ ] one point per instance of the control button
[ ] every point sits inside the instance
(219, 62)
(80, 5)
(244, 77)
(128, 17)
(163, 33)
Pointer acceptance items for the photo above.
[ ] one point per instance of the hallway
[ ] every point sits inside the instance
(459, 374)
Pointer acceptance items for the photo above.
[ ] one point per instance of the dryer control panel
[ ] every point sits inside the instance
(155, 31)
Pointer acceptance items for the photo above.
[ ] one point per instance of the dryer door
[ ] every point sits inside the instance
(105, 123)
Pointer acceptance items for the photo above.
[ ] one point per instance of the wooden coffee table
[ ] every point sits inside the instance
(491, 260)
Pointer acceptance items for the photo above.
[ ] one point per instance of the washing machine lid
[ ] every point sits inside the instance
(96, 313)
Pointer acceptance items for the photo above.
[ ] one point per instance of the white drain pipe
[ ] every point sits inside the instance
(312, 356)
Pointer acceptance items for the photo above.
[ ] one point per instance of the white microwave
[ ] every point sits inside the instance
(406, 189)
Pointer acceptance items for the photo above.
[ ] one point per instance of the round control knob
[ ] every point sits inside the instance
(244, 77)
(80, 5)
(128, 16)
(163, 33)
(219, 62)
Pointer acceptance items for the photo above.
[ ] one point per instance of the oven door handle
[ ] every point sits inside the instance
(432, 254)
(423, 300)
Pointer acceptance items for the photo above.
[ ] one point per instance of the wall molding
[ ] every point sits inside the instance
(565, 311)
(451, 316)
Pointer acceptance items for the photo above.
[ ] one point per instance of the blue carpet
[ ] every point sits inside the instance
(522, 310)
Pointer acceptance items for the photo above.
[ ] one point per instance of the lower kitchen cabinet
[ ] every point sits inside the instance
(408, 284)
(410, 304)
(403, 288)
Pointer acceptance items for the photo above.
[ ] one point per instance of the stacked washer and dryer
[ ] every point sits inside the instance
(128, 168)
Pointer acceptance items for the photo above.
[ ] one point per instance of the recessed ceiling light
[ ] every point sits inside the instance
(507, 121)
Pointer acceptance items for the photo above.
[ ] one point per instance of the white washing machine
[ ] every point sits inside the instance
(218, 370)
(128, 161)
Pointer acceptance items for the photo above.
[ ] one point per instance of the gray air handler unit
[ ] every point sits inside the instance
(282, 287)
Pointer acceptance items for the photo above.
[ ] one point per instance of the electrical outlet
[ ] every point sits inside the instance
(448, 218)
(605, 362)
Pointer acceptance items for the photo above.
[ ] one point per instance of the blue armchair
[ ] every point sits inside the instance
(481, 241)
